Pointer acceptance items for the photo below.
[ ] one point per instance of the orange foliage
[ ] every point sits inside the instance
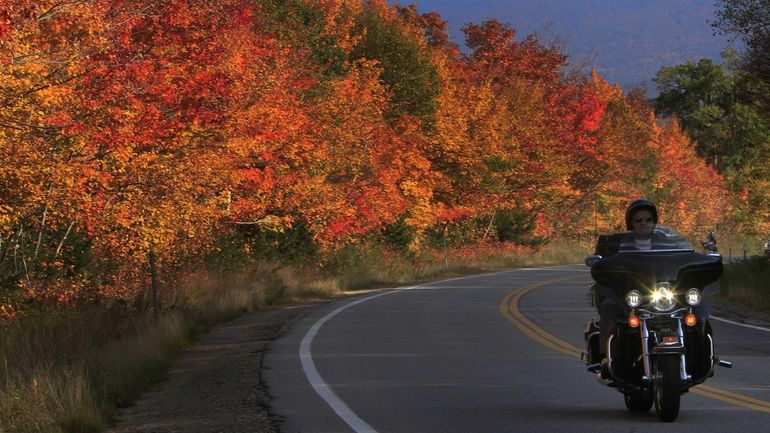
(130, 128)
(690, 193)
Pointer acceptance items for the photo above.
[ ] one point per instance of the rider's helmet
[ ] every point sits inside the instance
(638, 205)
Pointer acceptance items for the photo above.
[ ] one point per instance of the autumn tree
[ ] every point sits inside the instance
(690, 193)
(42, 45)
(534, 143)
(140, 113)
(139, 134)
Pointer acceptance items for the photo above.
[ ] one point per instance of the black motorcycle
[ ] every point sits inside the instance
(661, 347)
(709, 247)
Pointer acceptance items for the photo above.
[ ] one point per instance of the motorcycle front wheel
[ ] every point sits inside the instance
(667, 388)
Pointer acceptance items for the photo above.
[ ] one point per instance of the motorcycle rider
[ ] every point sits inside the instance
(641, 221)
(710, 244)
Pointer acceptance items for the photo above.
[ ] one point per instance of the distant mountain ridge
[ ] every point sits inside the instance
(627, 41)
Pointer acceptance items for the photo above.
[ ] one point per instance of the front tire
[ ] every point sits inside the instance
(667, 388)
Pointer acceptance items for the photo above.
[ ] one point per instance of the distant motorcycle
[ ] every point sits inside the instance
(709, 247)
(661, 348)
(710, 244)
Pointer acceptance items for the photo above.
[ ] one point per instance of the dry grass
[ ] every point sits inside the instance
(51, 400)
(69, 371)
(43, 386)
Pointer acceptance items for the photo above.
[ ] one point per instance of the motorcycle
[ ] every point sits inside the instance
(660, 348)
(709, 247)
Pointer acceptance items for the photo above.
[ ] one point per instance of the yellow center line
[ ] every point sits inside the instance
(509, 308)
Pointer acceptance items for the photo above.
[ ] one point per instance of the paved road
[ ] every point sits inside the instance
(486, 353)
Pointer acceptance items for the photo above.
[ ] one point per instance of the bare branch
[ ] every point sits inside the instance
(138, 13)
(26, 270)
(60, 7)
(489, 227)
(16, 248)
(25, 59)
(42, 229)
(58, 249)
(56, 83)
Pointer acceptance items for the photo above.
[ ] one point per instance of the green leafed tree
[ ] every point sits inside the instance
(749, 20)
(700, 95)
(405, 61)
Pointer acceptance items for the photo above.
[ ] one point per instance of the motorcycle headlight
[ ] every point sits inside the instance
(633, 298)
(663, 298)
(693, 297)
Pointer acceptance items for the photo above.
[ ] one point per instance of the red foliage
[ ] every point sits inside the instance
(497, 55)
(151, 127)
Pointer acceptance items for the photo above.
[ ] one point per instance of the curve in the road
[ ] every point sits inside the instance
(509, 307)
(317, 382)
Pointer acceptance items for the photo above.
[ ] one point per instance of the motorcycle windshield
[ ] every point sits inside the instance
(669, 258)
(663, 238)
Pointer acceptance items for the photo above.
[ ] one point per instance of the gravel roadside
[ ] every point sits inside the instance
(215, 385)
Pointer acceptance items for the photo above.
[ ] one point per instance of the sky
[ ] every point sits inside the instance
(627, 41)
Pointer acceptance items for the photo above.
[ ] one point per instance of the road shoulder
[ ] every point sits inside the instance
(215, 385)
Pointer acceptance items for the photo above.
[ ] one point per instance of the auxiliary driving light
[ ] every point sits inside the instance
(633, 298)
(693, 297)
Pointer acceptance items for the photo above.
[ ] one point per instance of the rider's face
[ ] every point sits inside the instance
(643, 224)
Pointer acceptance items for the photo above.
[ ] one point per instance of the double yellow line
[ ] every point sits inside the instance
(509, 308)
(731, 397)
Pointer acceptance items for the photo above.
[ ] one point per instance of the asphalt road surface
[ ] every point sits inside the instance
(496, 352)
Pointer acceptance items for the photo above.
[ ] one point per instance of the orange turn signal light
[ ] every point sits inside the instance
(634, 321)
(690, 320)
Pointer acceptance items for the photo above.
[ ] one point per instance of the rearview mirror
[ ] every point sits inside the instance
(590, 260)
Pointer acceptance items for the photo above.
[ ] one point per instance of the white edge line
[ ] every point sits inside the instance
(322, 388)
(758, 328)
(316, 381)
